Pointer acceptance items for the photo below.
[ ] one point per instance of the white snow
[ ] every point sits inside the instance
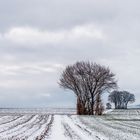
(114, 125)
(57, 129)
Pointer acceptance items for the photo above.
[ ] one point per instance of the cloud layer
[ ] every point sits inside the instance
(39, 38)
(29, 35)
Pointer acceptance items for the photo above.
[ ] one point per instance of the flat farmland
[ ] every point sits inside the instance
(63, 124)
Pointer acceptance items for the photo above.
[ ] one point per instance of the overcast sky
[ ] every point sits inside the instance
(38, 38)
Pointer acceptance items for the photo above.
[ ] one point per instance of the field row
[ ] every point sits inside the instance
(116, 125)
(24, 126)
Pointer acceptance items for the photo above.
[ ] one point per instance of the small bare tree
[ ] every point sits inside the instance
(88, 81)
(121, 99)
(108, 106)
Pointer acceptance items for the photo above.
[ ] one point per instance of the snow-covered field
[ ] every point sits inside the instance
(60, 124)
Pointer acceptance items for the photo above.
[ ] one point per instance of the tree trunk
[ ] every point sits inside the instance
(92, 105)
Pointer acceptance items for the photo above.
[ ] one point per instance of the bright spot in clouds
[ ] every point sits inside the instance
(36, 36)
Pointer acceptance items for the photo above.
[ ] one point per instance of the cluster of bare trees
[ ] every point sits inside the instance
(121, 99)
(88, 81)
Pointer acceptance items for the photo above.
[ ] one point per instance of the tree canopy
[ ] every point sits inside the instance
(88, 81)
(121, 99)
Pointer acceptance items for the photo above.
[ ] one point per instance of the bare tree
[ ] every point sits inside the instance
(88, 81)
(108, 106)
(99, 108)
(121, 99)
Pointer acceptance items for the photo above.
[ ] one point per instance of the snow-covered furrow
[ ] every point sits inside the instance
(40, 127)
(110, 129)
(79, 130)
(4, 119)
(47, 130)
(10, 124)
(128, 112)
(131, 123)
(87, 129)
(124, 117)
(23, 129)
(30, 128)
(57, 129)
(115, 125)
(66, 129)
(7, 119)
(15, 129)
(68, 132)
(17, 126)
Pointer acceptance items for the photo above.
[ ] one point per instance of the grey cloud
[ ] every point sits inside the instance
(54, 14)
(23, 66)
